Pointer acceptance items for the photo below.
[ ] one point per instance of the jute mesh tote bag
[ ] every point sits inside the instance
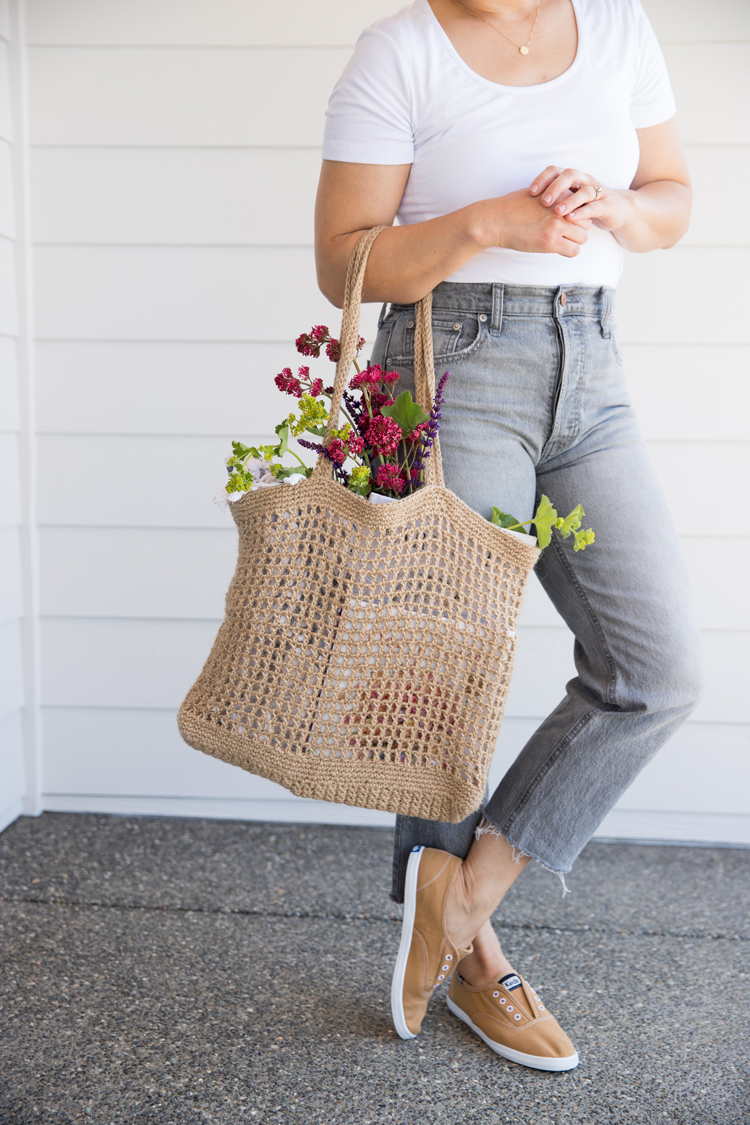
(367, 649)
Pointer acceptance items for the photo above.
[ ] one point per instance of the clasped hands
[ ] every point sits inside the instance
(579, 198)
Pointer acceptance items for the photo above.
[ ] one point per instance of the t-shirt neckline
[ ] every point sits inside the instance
(566, 74)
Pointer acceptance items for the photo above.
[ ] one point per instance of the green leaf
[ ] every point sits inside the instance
(544, 521)
(241, 451)
(503, 519)
(283, 434)
(408, 414)
(283, 473)
(571, 522)
(319, 431)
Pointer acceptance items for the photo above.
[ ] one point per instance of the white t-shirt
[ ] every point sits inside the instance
(407, 97)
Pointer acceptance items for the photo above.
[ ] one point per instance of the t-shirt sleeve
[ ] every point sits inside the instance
(652, 100)
(369, 119)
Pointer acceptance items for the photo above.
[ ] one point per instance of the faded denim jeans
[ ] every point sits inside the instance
(537, 403)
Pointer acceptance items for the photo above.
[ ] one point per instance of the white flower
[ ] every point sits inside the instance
(262, 478)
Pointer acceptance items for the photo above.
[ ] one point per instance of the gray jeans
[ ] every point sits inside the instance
(537, 403)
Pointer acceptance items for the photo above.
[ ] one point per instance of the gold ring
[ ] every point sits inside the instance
(598, 193)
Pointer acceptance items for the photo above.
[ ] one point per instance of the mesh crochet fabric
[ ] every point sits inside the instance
(366, 651)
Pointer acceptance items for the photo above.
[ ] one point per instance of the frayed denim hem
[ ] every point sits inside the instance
(486, 827)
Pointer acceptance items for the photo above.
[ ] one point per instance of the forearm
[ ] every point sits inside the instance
(406, 262)
(656, 216)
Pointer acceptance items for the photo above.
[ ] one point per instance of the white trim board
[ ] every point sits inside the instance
(620, 824)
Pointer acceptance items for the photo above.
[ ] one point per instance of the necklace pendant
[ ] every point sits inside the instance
(524, 50)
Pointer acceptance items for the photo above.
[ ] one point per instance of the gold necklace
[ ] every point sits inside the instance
(524, 50)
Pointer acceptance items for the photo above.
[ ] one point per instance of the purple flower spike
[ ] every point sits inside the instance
(433, 425)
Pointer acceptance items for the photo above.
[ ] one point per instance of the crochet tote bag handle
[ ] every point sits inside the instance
(424, 366)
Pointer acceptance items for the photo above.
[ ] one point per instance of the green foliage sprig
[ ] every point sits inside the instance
(545, 521)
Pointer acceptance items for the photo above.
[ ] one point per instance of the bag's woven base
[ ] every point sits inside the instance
(367, 649)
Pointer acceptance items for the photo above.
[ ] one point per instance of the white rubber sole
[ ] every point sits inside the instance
(399, 971)
(538, 1062)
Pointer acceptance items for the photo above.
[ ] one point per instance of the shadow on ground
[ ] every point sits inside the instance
(168, 971)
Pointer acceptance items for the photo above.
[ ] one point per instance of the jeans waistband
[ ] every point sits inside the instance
(495, 300)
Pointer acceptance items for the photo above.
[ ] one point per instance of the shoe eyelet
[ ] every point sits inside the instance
(517, 1016)
(446, 968)
(496, 994)
(542, 1008)
(503, 1000)
(442, 976)
(510, 1008)
(449, 956)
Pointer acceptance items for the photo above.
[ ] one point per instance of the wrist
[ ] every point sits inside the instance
(629, 209)
(485, 223)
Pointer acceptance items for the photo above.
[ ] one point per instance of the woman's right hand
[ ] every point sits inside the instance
(517, 221)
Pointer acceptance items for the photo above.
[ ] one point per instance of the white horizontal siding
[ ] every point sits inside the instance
(180, 293)
(201, 24)
(698, 477)
(10, 496)
(11, 681)
(11, 768)
(10, 419)
(186, 96)
(7, 208)
(104, 662)
(184, 573)
(182, 196)
(11, 595)
(8, 299)
(710, 85)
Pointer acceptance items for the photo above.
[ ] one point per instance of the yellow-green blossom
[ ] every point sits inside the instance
(311, 414)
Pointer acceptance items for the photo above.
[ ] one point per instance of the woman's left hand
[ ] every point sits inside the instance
(576, 195)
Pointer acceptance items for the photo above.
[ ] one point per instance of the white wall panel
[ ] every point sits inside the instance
(176, 22)
(193, 196)
(186, 96)
(677, 20)
(164, 388)
(6, 122)
(7, 209)
(681, 391)
(11, 684)
(712, 108)
(5, 20)
(112, 572)
(180, 293)
(10, 501)
(700, 483)
(712, 168)
(11, 602)
(9, 406)
(95, 663)
(8, 303)
(11, 768)
(687, 295)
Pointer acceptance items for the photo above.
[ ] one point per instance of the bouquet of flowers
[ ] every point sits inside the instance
(380, 451)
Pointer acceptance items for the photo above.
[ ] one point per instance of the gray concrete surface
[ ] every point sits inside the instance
(159, 971)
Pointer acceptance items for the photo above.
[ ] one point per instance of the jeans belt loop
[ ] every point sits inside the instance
(496, 326)
(383, 314)
(607, 313)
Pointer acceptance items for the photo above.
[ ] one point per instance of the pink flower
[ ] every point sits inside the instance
(383, 435)
(336, 450)
(369, 377)
(316, 388)
(309, 342)
(333, 350)
(356, 443)
(304, 373)
(390, 377)
(319, 333)
(389, 477)
(416, 434)
(287, 383)
(378, 400)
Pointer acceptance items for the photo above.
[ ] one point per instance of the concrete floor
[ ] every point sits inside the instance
(160, 971)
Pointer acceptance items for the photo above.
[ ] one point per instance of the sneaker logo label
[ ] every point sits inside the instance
(511, 981)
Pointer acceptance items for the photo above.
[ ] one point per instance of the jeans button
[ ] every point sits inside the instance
(483, 317)
(563, 299)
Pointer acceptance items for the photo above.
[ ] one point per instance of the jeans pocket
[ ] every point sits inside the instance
(453, 335)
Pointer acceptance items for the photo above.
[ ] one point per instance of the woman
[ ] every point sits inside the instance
(522, 147)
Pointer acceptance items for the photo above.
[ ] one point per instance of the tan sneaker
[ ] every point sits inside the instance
(513, 1021)
(426, 955)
